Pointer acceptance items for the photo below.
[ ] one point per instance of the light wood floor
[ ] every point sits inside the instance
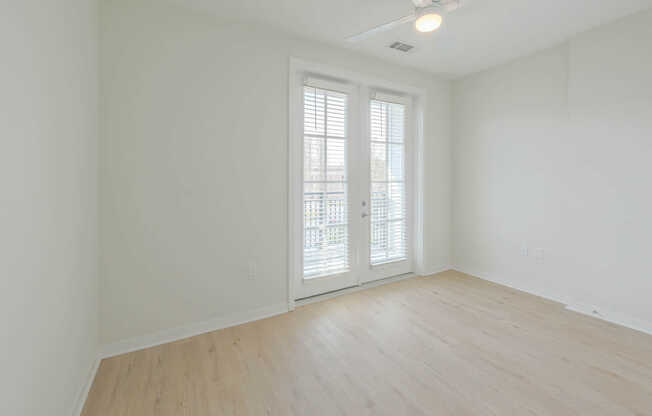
(445, 345)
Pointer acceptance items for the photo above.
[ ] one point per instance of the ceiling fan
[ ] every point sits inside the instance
(427, 17)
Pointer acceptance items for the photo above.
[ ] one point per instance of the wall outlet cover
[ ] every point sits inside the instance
(252, 270)
(539, 255)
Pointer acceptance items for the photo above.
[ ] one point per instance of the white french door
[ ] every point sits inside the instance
(388, 187)
(353, 214)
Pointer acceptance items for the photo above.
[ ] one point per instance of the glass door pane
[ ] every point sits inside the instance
(388, 228)
(325, 195)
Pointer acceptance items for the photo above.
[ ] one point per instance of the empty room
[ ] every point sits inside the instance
(326, 207)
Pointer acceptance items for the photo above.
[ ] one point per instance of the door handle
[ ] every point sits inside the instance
(364, 214)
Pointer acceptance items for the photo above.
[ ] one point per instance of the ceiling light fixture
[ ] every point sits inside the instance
(428, 19)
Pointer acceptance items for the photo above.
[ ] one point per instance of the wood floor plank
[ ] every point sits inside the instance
(449, 344)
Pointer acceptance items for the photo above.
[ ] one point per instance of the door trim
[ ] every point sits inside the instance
(299, 70)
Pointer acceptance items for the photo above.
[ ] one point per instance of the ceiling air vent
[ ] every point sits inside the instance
(400, 46)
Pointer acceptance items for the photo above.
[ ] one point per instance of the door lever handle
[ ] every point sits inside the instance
(364, 214)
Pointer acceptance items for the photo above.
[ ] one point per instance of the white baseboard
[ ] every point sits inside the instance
(612, 316)
(555, 297)
(596, 312)
(366, 285)
(83, 391)
(435, 270)
(353, 289)
(175, 334)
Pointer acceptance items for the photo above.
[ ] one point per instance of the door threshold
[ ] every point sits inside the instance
(352, 289)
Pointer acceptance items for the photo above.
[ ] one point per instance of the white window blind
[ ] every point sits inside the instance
(325, 199)
(388, 188)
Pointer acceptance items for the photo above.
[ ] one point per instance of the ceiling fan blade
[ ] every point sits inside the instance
(451, 5)
(448, 5)
(382, 28)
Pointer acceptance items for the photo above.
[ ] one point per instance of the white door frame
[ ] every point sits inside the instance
(299, 70)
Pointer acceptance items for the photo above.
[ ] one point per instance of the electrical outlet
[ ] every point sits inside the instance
(538, 255)
(252, 270)
(524, 251)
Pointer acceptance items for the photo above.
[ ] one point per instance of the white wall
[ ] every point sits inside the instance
(48, 203)
(553, 151)
(194, 165)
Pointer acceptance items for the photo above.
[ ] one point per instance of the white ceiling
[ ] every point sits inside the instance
(480, 35)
